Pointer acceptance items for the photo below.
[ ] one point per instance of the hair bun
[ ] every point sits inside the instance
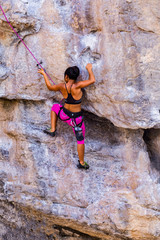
(72, 72)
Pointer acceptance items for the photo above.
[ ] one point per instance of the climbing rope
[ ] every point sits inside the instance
(38, 63)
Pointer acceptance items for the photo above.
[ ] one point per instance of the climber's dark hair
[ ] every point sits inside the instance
(72, 72)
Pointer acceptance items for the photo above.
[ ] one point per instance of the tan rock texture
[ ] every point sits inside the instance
(43, 195)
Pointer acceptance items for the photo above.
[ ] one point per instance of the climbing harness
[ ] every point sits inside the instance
(38, 63)
(73, 116)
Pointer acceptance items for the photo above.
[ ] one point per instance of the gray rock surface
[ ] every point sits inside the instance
(120, 38)
(42, 193)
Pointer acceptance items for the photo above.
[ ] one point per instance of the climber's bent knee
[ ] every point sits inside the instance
(56, 108)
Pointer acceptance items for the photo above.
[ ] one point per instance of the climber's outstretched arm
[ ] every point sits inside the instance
(91, 79)
(56, 87)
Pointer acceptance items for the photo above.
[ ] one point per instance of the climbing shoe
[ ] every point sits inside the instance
(47, 131)
(85, 166)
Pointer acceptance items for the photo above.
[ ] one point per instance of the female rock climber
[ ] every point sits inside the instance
(71, 111)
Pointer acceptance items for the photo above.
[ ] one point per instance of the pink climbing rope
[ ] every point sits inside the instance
(39, 64)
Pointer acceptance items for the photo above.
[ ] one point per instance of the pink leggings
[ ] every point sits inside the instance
(64, 117)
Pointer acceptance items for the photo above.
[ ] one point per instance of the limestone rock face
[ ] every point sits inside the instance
(118, 197)
(120, 38)
(42, 193)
